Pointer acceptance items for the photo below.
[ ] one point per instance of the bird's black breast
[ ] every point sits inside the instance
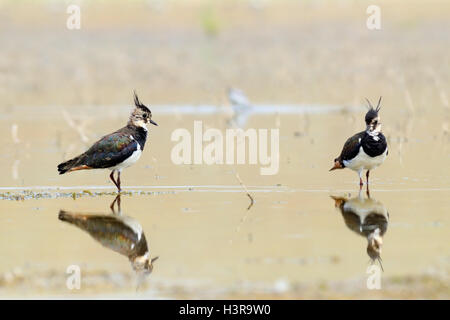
(140, 135)
(374, 146)
(372, 221)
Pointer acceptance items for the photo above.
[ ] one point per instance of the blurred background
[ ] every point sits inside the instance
(62, 89)
(188, 51)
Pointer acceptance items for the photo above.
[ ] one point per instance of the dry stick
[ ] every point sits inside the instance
(241, 183)
(80, 129)
(246, 190)
(238, 228)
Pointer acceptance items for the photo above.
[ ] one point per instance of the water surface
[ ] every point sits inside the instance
(293, 242)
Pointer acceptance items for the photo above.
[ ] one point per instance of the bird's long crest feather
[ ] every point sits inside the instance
(370, 105)
(136, 100)
(378, 104)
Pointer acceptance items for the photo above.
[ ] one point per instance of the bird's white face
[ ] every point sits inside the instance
(375, 126)
(375, 243)
(140, 123)
(140, 117)
(143, 264)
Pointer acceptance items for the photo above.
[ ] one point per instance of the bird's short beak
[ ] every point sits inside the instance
(338, 201)
(153, 122)
(381, 263)
(337, 165)
(154, 259)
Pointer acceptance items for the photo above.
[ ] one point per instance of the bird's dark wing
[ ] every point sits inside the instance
(351, 147)
(109, 230)
(352, 221)
(110, 150)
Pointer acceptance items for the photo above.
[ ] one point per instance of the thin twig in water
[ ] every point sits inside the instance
(246, 190)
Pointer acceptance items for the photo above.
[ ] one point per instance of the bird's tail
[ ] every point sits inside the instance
(66, 216)
(66, 166)
(76, 219)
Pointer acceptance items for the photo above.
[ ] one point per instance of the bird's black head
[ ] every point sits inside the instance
(141, 115)
(374, 246)
(372, 118)
(372, 113)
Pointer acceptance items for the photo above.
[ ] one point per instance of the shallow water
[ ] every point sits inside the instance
(292, 242)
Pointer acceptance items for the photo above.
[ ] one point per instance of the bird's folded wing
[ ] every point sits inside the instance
(351, 146)
(110, 150)
(113, 234)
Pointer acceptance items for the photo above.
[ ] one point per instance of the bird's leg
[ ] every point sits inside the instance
(112, 205)
(118, 182)
(367, 176)
(118, 204)
(361, 183)
(119, 210)
(111, 176)
(116, 199)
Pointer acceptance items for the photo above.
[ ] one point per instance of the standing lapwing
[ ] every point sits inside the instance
(365, 150)
(117, 150)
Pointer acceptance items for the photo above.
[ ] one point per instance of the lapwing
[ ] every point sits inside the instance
(117, 232)
(117, 150)
(368, 218)
(365, 150)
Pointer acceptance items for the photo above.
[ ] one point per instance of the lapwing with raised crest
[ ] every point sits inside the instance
(365, 150)
(118, 150)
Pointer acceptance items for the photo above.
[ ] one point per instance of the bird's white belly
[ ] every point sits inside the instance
(365, 207)
(365, 162)
(134, 225)
(129, 161)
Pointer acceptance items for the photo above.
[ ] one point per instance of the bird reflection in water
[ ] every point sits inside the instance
(368, 218)
(117, 232)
